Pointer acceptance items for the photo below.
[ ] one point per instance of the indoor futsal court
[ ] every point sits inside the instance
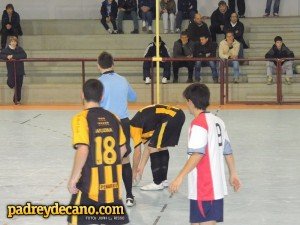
(37, 156)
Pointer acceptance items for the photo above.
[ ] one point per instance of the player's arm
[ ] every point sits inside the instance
(79, 161)
(136, 161)
(233, 179)
(190, 164)
(144, 160)
(123, 150)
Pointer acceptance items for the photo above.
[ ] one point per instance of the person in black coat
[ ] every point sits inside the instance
(15, 70)
(238, 29)
(218, 20)
(127, 8)
(186, 10)
(197, 28)
(109, 12)
(10, 24)
(205, 49)
(151, 52)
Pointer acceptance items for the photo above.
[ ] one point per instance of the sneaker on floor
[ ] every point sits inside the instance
(115, 32)
(177, 30)
(130, 202)
(215, 79)
(266, 15)
(242, 16)
(144, 28)
(164, 80)
(165, 183)
(150, 32)
(189, 80)
(120, 32)
(236, 80)
(147, 80)
(166, 31)
(152, 187)
(109, 31)
(288, 80)
(172, 31)
(269, 80)
(275, 14)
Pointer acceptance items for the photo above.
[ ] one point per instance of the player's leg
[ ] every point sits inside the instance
(208, 223)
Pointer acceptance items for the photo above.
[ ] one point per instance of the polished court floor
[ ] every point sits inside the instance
(36, 159)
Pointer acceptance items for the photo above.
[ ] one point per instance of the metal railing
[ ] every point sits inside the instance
(223, 73)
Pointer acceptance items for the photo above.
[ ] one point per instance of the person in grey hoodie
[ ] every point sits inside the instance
(183, 48)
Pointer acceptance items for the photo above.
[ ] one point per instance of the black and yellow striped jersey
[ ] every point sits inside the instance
(146, 120)
(102, 173)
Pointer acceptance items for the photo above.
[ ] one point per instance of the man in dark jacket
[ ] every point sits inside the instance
(127, 7)
(109, 12)
(151, 52)
(238, 29)
(186, 10)
(146, 12)
(205, 49)
(10, 24)
(279, 51)
(197, 28)
(14, 73)
(183, 48)
(218, 20)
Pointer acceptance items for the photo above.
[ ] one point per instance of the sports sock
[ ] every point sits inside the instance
(164, 163)
(155, 167)
(127, 179)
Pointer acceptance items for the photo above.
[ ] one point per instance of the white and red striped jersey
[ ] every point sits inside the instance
(208, 136)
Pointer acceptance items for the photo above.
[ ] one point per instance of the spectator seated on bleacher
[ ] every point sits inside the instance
(186, 11)
(127, 8)
(10, 24)
(109, 12)
(205, 49)
(151, 52)
(146, 12)
(183, 48)
(229, 49)
(167, 11)
(279, 51)
(218, 20)
(197, 28)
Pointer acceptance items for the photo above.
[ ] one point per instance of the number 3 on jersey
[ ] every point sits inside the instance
(105, 151)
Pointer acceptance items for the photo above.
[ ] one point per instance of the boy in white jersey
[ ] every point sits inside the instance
(208, 145)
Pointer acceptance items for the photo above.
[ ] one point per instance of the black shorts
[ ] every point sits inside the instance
(167, 133)
(83, 200)
(126, 129)
(213, 211)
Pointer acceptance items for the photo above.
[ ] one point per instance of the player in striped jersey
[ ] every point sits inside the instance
(208, 145)
(99, 142)
(157, 127)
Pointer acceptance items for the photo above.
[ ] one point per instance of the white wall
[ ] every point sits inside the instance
(89, 9)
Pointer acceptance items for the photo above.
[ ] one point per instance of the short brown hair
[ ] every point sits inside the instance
(12, 38)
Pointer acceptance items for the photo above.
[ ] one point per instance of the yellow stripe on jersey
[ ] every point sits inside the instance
(109, 191)
(122, 136)
(136, 134)
(80, 129)
(161, 134)
(94, 185)
(165, 111)
(119, 174)
(74, 218)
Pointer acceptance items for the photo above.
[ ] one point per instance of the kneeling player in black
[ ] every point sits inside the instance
(157, 127)
(96, 177)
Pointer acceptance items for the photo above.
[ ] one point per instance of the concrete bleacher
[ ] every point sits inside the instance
(59, 82)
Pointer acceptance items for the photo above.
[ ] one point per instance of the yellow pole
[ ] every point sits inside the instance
(157, 59)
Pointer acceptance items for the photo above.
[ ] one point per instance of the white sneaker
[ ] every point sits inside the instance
(152, 187)
(109, 31)
(164, 80)
(130, 202)
(148, 80)
(177, 30)
(165, 183)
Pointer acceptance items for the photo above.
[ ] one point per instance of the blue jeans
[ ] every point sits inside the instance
(275, 8)
(148, 17)
(120, 18)
(236, 68)
(211, 64)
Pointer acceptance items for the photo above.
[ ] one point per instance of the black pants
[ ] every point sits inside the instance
(11, 82)
(112, 20)
(189, 65)
(214, 30)
(165, 65)
(5, 33)
(240, 6)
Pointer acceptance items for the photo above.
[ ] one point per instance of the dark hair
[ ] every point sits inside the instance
(222, 3)
(92, 90)
(204, 35)
(199, 94)
(229, 32)
(278, 38)
(10, 6)
(159, 38)
(184, 33)
(105, 60)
